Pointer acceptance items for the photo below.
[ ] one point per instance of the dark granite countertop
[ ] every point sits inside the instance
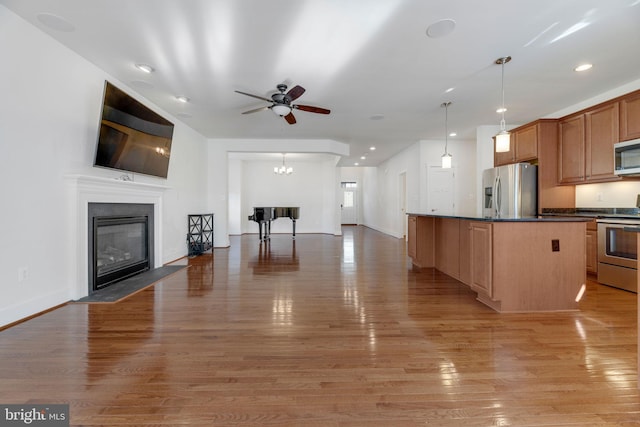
(550, 218)
(593, 213)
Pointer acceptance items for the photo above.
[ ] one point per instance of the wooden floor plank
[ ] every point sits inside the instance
(334, 331)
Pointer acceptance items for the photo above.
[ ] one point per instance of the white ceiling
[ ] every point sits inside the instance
(369, 61)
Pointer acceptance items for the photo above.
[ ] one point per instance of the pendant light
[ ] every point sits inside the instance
(503, 139)
(446, 157)
(283, 170)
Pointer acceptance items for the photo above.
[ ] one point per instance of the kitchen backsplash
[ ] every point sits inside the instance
(609, 194)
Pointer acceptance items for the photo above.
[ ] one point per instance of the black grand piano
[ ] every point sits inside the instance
(264, 215)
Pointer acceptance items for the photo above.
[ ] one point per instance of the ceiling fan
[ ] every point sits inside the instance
(281, 103)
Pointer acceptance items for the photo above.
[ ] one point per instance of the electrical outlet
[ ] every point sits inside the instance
(23, 274)
(555, 245)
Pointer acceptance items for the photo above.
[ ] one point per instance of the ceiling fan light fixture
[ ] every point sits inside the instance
(281, 109)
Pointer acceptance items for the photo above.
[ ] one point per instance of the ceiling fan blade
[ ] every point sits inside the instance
(254, 96)
(255, 110)
(295, 93)
(290, 119)
(312, 109)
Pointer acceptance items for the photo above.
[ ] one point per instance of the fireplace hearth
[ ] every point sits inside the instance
(120, 242)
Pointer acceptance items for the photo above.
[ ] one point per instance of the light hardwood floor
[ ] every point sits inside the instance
(325, 331)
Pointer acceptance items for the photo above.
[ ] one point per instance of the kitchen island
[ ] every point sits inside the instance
(515, 265)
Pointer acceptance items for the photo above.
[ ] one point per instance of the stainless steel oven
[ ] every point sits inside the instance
(618, 253)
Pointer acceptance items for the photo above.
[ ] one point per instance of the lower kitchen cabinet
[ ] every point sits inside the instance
(481, 257)
(592, 247)
(513, 265)
(447, 257)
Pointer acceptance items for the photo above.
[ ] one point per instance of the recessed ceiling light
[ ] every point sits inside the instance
(501, 110)
(362, 157)
(145, 68)
(441, 28)
(372, 148)
(583, 67)
(453, 134)
(356, 164)
(182, 99)
(451, 89)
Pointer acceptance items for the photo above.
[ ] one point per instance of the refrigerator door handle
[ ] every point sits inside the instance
(498, 196)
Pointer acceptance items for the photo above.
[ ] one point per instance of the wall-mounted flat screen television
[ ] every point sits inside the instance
(132, 137)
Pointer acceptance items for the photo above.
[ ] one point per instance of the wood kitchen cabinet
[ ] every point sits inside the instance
(523, 146)
(592, 247)
(630, 116)
(571, 149)
(465, 251)
(586, 145)
(514, 266)
(481, 257)
(447, 257)
(602, 131)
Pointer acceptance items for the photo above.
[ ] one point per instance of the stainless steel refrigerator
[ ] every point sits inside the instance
(510, 191)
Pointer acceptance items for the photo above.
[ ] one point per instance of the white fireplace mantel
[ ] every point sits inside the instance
(85, 189)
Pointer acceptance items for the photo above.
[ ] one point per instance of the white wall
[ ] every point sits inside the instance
(381, 201)
(312, 187)
(49, 115)
(463, 163)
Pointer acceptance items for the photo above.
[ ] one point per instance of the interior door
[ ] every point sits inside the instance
(349, 205)
(440, 190)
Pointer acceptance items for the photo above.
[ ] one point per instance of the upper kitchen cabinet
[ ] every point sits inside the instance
(571, 149)
(630, 116)
(586, 145)
(523, 147)
(602, 131)
(537, 142)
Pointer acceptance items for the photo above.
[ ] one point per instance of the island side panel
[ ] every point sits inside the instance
(447, 246)
(421, 241)
(528, 274)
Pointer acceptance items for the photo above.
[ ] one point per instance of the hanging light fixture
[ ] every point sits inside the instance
(283, 170)
(281, 109)
(446, 157)
(163, 151)
(503, 139)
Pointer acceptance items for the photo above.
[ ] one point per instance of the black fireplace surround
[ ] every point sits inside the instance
(121, 242)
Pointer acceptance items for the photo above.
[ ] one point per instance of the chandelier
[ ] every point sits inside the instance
(164, 152)
(283, 170)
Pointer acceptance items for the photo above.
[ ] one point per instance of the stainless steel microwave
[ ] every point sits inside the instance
(627, 157)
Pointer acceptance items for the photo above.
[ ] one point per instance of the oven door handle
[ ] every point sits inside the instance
(632, 229)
